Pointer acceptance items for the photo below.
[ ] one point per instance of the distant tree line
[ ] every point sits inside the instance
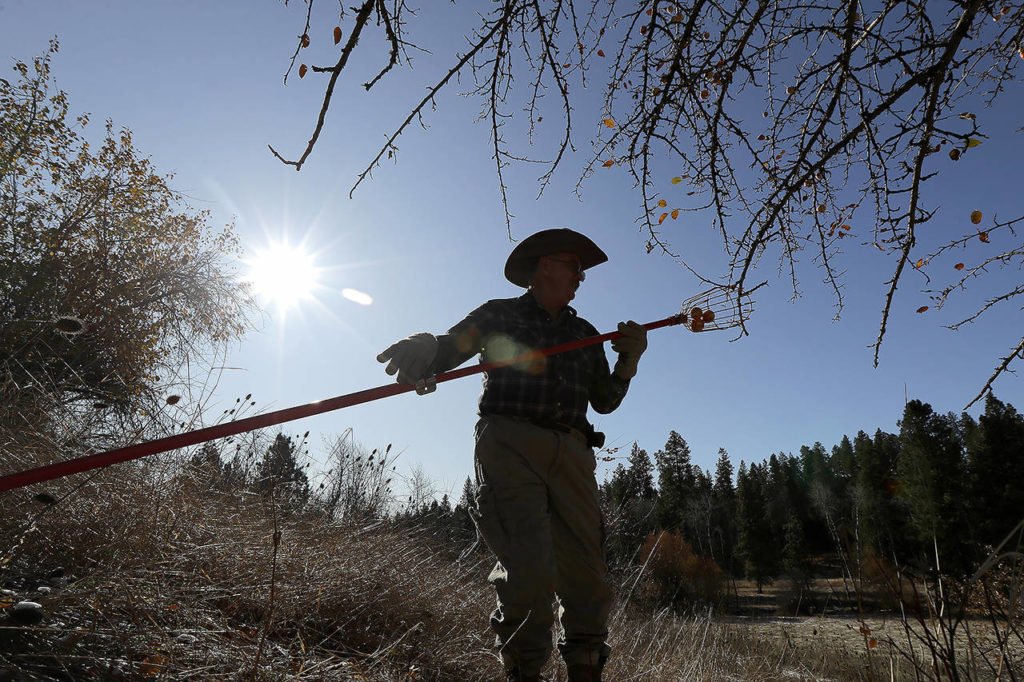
(937, 496)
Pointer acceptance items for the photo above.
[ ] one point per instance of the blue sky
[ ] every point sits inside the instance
(200, 85)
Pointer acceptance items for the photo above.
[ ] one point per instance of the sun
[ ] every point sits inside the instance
(284, 275)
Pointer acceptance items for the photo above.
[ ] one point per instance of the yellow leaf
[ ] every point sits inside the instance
(975, 217)
(152, 665)
(845, 227)
(662, 218)
(609, 122)
(662, 203)
(919, 263)
(675, 213)
(608, 164)
(676, 181)
(973, 142)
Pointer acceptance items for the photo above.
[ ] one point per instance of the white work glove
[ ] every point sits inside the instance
(630, 346)
(410, 358)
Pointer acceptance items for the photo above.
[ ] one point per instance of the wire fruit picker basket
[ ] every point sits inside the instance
(719, 308)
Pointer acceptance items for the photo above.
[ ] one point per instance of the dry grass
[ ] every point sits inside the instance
(896, 644)
(170, 581)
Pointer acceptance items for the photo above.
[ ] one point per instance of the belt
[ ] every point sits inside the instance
(594, 439)
(564, 428)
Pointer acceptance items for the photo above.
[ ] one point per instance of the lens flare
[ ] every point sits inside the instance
(357, 296)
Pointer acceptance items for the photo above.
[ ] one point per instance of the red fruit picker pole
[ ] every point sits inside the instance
(181, 440)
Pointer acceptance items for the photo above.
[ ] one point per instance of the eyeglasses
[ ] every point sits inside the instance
(576, 266)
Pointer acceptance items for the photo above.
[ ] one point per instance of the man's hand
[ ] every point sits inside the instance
(410, 358)
(630, 346)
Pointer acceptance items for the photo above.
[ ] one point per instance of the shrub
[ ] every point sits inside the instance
(676, 577)
(892, 586)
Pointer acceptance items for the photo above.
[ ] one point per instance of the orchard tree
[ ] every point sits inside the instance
(111, 282)
(800, 130)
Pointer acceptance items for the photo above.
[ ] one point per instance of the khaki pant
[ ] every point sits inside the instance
(537, 510)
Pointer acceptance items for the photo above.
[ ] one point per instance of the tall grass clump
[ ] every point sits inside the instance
(155, 573)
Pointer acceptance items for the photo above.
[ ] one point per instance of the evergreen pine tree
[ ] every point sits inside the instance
(995, 452)
(843, 464)
(870, 496)
(640, 475)
(725, 513)
(465, 528)
(618, 487)
(633, 500)
(933, 485)
(280, 468)
(699, 516)
(795, 560)
(635, 481)
(206, 467)
(675, 482)
(756, 546)
(843, 461)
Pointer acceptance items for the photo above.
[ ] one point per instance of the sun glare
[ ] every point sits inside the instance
(283, 274)
(356, 296)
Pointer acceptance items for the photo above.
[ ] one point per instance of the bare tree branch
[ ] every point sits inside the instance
(389, 146)
(361, 18)
(860, 106)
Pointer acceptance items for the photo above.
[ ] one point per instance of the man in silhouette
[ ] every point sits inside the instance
(536, 502)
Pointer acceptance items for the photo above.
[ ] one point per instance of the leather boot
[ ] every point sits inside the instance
(584, 673)
(513, 675)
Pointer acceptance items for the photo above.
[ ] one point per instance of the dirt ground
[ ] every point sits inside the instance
(828, 616)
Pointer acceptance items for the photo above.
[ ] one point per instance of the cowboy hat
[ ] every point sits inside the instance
(523, 259)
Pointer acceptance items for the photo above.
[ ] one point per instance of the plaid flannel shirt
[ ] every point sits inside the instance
(551, 390)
